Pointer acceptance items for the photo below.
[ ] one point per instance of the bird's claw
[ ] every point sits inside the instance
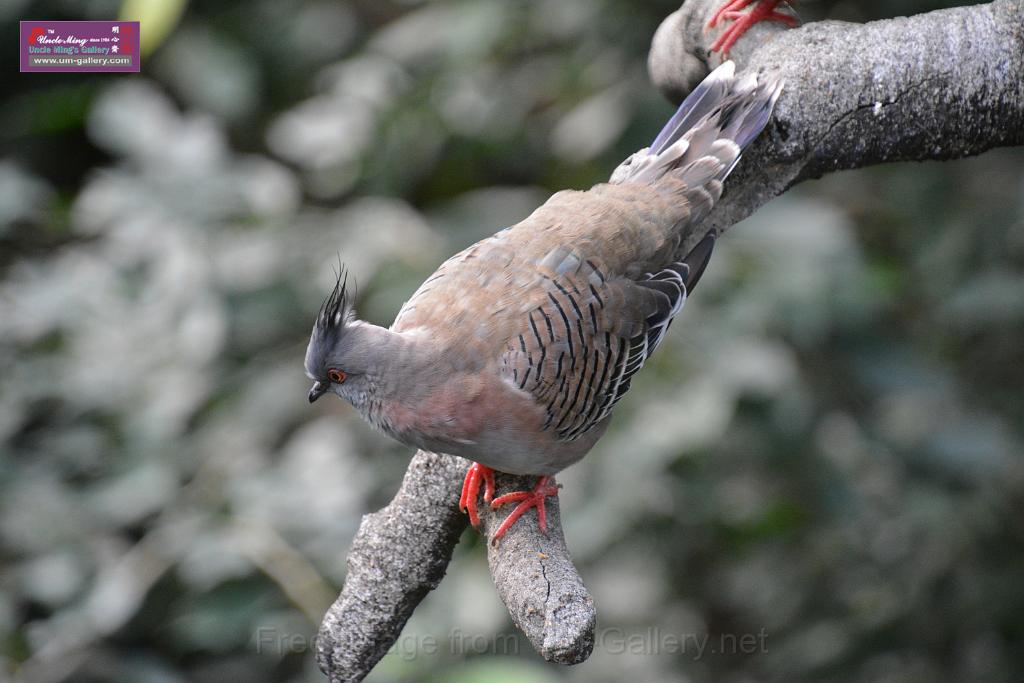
(471, 489)
(534, 498)
(735, 12)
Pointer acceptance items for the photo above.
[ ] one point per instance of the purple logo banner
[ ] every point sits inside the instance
(80, 46)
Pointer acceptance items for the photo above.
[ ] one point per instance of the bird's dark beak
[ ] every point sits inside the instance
(317, 390)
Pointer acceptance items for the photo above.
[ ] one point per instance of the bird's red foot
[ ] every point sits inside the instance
(534, 498)
(732, 10)
(471, 489)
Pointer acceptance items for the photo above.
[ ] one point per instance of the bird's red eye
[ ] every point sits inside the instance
(336, 376)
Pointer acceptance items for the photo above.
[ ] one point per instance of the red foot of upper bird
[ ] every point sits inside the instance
(732, 10)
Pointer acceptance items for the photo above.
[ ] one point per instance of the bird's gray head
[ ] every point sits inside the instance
(340, 353)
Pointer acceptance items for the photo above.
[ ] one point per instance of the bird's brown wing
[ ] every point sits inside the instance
(570, 303)
(583, 341)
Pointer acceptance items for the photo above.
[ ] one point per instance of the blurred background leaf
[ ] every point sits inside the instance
(158, 16)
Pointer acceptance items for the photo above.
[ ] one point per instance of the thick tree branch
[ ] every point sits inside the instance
(400, 554)
(538, 582)
(941, 85)
(936, 86)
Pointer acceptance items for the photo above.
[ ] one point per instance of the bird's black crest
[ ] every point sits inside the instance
(337, 309)
(336, 314)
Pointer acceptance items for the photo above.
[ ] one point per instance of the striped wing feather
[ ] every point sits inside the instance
(590, 334)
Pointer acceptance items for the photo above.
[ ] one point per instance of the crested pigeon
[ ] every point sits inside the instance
(732, 10)
(514, 353)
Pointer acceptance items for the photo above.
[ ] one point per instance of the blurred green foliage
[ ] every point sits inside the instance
(826, 453)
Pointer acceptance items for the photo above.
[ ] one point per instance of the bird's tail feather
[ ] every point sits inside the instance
(703, 140)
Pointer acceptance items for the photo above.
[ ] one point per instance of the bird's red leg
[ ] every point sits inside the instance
(534, 498)
(732, 10)
(471, 489)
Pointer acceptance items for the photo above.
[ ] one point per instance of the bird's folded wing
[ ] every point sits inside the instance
(590, 332)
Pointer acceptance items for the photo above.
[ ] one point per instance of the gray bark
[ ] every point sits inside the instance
(936, 86)
(942, 85)
(538, 582)
(400, 554)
